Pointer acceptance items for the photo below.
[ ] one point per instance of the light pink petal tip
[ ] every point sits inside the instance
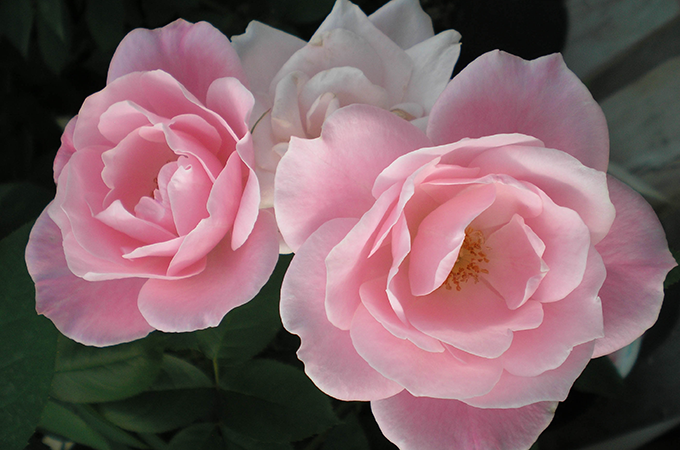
(179, 49)
(93, 313)
(403, 21)
(637, 259)
(422, 423)
(501, 93)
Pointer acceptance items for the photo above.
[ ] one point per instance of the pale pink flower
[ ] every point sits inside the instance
(391, 60)
(155, 224)
(461, 279)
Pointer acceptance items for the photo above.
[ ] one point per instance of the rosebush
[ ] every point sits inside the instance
(461, 279)
(391, 60)
(155, 224)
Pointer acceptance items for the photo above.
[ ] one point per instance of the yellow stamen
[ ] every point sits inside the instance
(470, 262)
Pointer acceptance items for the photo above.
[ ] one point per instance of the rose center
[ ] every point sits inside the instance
(471, 260)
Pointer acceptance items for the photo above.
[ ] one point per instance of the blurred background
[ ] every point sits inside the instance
(54, 53)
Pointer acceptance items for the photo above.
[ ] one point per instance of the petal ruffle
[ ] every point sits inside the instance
(422, 423)
(337, 170)
(96, 313)
(230, 279)
(327, 351)
(501, 93)
(179, 49)
(637, 259)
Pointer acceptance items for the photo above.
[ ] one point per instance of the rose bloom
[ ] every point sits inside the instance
(155, 224)
(391, 60)
(461, 279)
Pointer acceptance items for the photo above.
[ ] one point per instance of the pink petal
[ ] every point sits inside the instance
(329, 356)
(233, 102)
(120, 219)
(475, 320)
(321, 179)
(188, 193)
(179, 49)
(501, 93)
(563, 178)
(191, 135)
(567, 241)
(375, 298)
(348, 264)
(574, 320)
(515, 265)
(403, 21)
(155, 94)
(221, 206)
(422, 423)
(637, 259)
(263, 51)
(93, 313)
(422, 373)
(440, 236)
(131, 168)
(230, 279)
(66, 149)
(513, 391)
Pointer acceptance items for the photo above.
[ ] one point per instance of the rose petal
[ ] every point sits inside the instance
(440, 237)
(501, 93)
(574, 320)
(329, 356)
(263, 50)
(637, 259)
(395, 65)
(404, 22)
(513, 391)
(433, 62)
(230, 279)
(438, 375)
(66, 149)
(337, 171)
(178, 49)
(515, 265)
(93, 313)
(563, 178)
(422, 423)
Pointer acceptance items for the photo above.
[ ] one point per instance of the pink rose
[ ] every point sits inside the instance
(462, 279)
(155, 224)
(391, 60)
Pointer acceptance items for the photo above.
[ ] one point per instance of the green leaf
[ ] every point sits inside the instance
(160, 411)
(60, 420)
(89, 374)
(236, 441)
(53, 37)
(106, 22)
(27, 347)
(177, 373)
(347, 436)
(106, 428)
(20, 203)
(16, 22)
(202, 436)
(246, 331)
(272, 402)
(674, 275)
(600, 377)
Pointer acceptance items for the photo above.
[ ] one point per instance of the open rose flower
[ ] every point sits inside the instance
(155, 224)
(391, 60)
(462, 279)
